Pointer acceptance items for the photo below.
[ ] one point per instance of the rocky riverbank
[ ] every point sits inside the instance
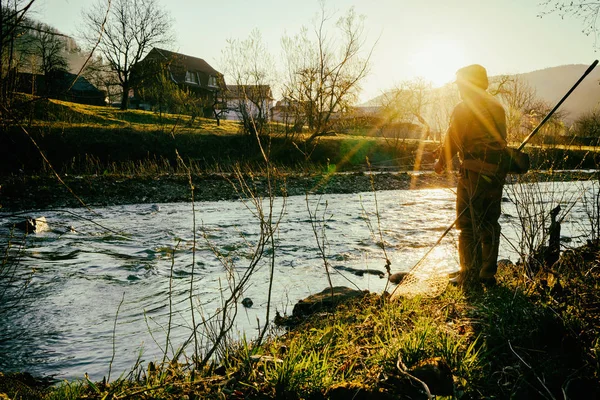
(18, 193)
(26, 193)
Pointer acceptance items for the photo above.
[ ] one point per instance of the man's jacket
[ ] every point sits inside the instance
(477, 133)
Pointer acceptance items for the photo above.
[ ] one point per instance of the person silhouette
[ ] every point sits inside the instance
(477, 134)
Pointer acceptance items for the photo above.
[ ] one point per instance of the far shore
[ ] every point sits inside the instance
(38, 193)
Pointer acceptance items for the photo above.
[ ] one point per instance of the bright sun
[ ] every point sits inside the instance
(438, 60)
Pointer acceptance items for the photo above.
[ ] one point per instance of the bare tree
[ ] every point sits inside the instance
(419, 98)
(323, 72)
(129, 30)
(588, 125)
(12, 17)
(43, 47)
(101, 75)
(440, 109)
(518, 98)
(409, 102)
(252, 68)
(523, 108)
(393, 115)
(587, 11)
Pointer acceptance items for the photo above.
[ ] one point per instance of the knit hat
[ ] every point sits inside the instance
(474, 75)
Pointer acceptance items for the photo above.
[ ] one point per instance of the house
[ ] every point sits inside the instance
(187, 72)
(60, 85)
(286, 111)
(255, 100)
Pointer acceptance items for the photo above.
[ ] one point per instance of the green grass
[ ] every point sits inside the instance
(57, 113)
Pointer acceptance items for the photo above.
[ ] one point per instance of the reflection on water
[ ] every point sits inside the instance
(64, 323)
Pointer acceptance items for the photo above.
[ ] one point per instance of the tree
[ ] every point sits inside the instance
(101, 75)
(251, 67)
(415, 101)
(588, 125)
(12, 17)
(48, 47)
(156, 87)
(518, 98)
(323, 73)
(127, 32)
(440, 109)
(523, 108)
(587, 11)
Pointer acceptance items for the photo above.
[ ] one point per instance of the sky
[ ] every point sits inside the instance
(427, 38)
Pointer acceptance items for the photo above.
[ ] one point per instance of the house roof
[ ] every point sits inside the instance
(63, 81)
(189, 62)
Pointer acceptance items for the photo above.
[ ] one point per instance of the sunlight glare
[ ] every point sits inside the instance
(438, 60)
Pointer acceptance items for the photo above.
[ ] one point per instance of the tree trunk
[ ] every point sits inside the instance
(125, 96)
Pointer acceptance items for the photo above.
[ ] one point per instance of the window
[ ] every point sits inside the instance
(191, 77)
(212, 81)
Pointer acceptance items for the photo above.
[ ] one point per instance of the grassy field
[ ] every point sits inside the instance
(78, 139)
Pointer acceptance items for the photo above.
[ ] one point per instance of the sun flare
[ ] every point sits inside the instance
(438, 60)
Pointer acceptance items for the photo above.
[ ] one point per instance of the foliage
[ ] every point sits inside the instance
(157, 88)
(251, 67)
(42, 48)
(124, 33)
(588, 125)
(12, 18)
(524, 110)
(323, 73)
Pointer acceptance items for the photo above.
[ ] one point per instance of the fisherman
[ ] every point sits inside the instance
(477, 133)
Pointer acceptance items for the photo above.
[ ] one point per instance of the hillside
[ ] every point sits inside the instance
(552, 83)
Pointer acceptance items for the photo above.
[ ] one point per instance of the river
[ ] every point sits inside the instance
(119, 260)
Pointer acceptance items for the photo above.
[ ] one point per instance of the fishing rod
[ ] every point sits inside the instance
(521, 146)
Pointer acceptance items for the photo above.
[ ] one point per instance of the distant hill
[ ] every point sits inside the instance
(551, 84)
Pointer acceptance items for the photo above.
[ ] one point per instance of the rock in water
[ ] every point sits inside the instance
(247, 302)
(360, 271)
(326, 300)
(33, 225)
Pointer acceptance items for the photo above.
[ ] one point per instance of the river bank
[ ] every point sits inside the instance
(533, 336)
(28, 193)
(39, 192)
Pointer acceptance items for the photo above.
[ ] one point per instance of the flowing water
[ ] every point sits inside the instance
(65, 322)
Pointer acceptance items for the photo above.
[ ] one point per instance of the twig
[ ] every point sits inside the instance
(322, 240)
(114, 348)
(403, 370)
(170, 302)
(191, 296)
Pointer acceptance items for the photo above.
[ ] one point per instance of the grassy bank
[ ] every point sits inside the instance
(81, 139)
(527, 338)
